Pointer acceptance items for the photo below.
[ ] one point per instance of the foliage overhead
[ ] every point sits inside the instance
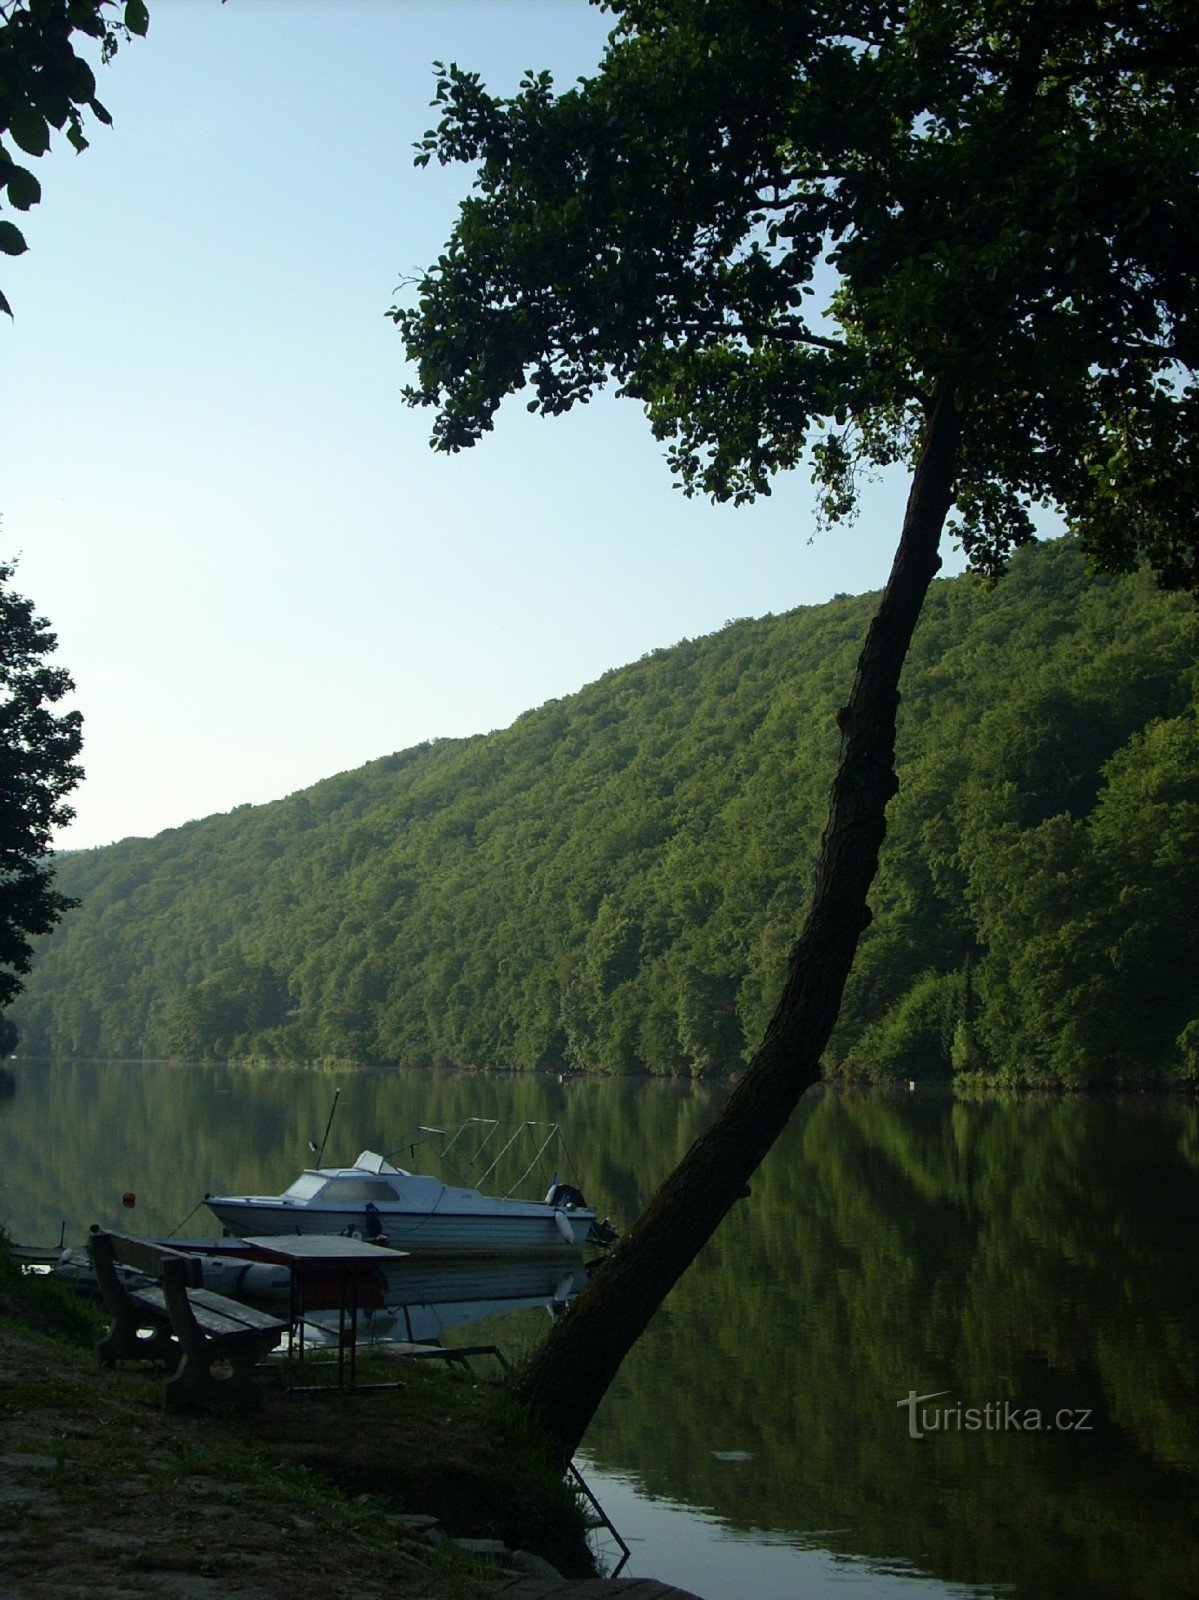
(38, 747)
(45, 83)
(780, 227)
(611, 884)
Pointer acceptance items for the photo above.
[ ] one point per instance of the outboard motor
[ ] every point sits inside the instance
(566, 1195)
(603, 1233)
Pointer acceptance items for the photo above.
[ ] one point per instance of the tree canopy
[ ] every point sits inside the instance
(45, 83)
(38, 747)
(778, 227)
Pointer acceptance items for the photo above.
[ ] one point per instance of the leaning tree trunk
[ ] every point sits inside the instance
(568, 1374)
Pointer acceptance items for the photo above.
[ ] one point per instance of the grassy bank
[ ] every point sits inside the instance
(103, 1490)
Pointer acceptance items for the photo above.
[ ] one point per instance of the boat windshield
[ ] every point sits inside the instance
(341, 1191)
(305, 1186)
(356, 1191)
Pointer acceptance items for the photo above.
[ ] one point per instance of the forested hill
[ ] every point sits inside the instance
(613, 882)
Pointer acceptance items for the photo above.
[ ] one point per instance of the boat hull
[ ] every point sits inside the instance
(518, 1230)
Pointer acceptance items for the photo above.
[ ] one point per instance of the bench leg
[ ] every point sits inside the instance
(126, 1340)
(129, 1340)
(194, 1379)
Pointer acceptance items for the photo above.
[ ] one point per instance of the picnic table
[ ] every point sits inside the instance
(316, 1262)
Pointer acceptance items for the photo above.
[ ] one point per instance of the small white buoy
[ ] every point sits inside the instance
(564, 1227)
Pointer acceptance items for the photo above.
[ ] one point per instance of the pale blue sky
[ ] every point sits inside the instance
(259, 572)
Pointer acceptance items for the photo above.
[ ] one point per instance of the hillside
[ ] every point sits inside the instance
(613, 883)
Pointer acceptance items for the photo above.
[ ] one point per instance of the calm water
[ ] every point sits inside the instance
(1032, 1270)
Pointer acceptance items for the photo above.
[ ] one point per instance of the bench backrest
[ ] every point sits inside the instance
(146, 1256)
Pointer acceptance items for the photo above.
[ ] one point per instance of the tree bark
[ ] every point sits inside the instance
(568, 1374)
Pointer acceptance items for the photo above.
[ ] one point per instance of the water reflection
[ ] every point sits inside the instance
(76, 1137)
(1038, 1255)
(424, 1301)
(1030, 1257)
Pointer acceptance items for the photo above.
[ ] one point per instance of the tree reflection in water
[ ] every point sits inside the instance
(1036, 1253)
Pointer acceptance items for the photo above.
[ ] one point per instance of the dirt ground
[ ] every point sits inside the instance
(105, 1495)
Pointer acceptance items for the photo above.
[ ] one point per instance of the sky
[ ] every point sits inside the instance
(258, 571)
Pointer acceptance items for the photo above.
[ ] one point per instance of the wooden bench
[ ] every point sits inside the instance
(210, 1344)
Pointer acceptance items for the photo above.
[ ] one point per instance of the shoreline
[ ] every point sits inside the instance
(431, 1487)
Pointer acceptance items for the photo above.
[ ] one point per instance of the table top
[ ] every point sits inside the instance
(333, 1248)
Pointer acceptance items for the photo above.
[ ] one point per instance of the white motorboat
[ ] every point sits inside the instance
(374, 1200)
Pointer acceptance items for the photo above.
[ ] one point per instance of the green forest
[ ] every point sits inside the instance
(613, 883)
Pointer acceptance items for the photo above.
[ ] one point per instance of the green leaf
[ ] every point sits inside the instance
(12, 241)
(4, 305)
(23, 188)
(137, 17)
(75, 132)
(102, 113)
(81, 81)
(30, 130)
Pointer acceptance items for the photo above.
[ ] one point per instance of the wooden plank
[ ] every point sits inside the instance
(404, 1350)
(146, 1256)
(155, 1300)
(234, 1311)
(324, 1249)
(214, 1313)
(32, 1255)
(151, 1300)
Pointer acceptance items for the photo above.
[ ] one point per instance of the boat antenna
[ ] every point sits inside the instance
(332, 1113)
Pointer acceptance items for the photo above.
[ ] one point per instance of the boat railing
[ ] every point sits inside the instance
(459, 1146)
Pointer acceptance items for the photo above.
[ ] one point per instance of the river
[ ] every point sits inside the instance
(944, 1349)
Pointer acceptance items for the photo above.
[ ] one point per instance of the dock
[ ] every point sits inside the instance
(32, 1255)
(589, 1589)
